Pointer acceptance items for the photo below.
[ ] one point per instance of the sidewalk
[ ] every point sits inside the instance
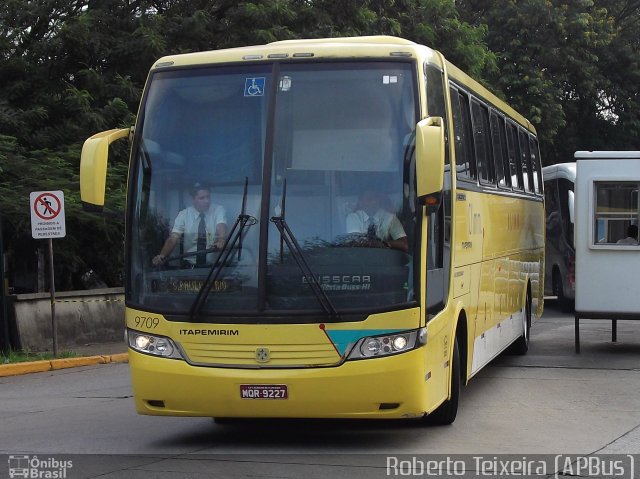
(100, 349)
(89, 354)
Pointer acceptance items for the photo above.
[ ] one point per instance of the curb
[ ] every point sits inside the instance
(54, 364)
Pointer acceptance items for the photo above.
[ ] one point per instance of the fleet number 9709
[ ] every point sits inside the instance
(147, 322)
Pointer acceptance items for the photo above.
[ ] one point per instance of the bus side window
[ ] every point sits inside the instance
(515, 166)
(552, 209)
(465, 166)
(438, 262)
(437, 107)
(525, 158)
(480, 118)
(436, 101)
(499, 141)
(565, 193)
(435, 92)
(536, 165)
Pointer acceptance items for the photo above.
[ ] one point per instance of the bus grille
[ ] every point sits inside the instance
(244, 355)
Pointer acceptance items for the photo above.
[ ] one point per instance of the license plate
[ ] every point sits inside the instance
(263, 391)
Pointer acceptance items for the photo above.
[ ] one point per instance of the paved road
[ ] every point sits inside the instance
(550, 401)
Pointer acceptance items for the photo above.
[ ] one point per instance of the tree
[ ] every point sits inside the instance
(617, 124)
(568, 66)
(69, 69)
(434, 23)
(62, 81)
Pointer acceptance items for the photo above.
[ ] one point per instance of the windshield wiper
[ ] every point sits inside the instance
(145, 159)
(294, 247)
(234, 237)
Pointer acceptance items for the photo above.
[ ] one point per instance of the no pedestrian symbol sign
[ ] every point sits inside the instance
(47, 214)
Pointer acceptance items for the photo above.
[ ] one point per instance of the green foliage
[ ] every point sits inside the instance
(12, 356)
(69, 69)
(63, 79)
(569, 66)
(435, 23)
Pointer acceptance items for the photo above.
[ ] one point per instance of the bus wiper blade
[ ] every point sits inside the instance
(145, 159)
(298, 256)
(234, 237)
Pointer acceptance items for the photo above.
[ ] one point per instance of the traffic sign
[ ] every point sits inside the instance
(47, 214)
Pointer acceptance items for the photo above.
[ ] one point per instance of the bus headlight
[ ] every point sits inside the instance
(386, 345)
(152, 344)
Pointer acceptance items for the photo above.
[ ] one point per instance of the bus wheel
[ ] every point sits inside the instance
(448, 410)
(565, 304)
(224, 421)
(521, 346)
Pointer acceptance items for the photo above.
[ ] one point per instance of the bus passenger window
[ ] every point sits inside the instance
(566, 195)
(435, 92)
(535, 164)
(436, 101)
(554, 226)
(499, 142)
(527, 173)
(515, 166)
(480, 116)
(462, 131)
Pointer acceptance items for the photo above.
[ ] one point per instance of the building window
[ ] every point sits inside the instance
(616, 213)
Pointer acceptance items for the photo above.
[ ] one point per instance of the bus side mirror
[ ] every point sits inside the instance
(430, 162)
(93, 167)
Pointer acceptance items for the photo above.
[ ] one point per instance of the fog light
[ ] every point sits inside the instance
(371, 347)
(164, 347)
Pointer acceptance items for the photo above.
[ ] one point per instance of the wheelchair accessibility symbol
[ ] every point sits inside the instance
(254, 86)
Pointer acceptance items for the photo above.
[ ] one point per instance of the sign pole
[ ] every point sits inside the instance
(47, 221)
(5, 344)
(52, 289)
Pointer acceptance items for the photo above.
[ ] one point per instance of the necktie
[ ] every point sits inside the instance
(201, 258)
(371, 228)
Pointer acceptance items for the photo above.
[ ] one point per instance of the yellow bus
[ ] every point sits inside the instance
(382, 231)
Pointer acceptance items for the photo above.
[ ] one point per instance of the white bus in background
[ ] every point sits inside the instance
(560, 254)
(607, 259)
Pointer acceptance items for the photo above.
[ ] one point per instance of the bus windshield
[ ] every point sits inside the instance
(309, 169)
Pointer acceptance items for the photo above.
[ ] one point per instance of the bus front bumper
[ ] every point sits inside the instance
(389, 387)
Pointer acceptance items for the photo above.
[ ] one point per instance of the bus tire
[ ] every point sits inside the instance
(565, 304)
(521, 346)
(224, 421)
(446, 413)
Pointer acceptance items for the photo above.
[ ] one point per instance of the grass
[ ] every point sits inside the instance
(24, 356)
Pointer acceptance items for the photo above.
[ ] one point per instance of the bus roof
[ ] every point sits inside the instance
(364, 47)
(559, 170)
(375, 39)
(377, 46)
(456, 73)
(601, 155)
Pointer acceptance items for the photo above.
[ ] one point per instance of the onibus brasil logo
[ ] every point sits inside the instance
(37, 468)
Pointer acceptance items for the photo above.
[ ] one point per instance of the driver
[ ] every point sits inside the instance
(371, 218)
(203, 226)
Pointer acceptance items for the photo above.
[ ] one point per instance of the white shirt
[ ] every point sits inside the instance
(388, 226)
(186, 225)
